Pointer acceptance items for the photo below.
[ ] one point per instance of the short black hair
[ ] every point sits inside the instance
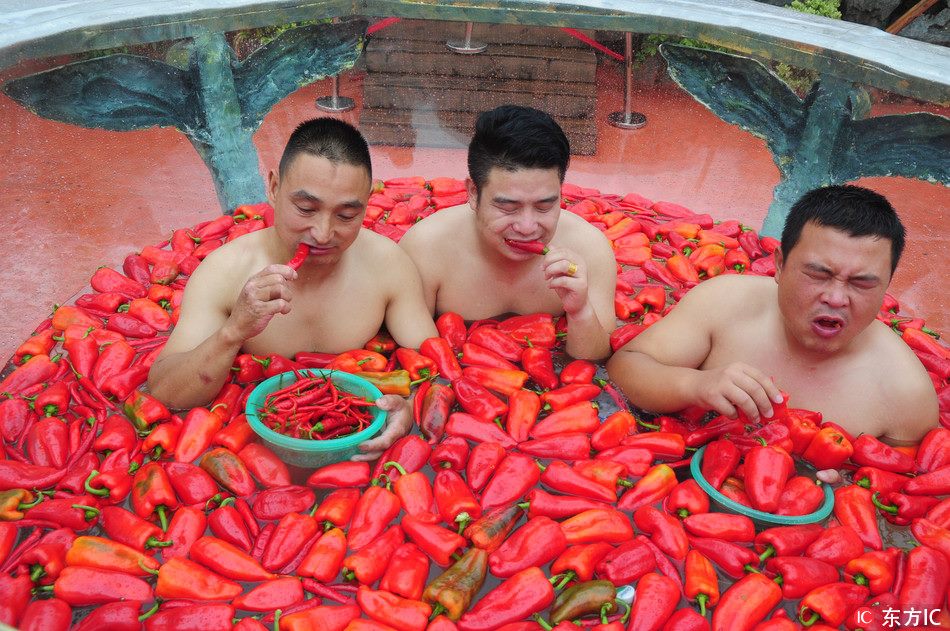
(513, 137)
(858, 211)
(328, 138)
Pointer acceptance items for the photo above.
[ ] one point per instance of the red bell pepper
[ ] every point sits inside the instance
(337, 507)
(408, 572)
(340, 474)
(273, 504)
(652, 487)
(525, 593)
(687, 498)
(854, 508)
(453, 498)
(477, 429)
(836, 545)
(655, 601)
(374, 511)
(702, 584)
(732, 559)
(878, 480)
(293, 532)
(560, 477)
(438, 350)
(801, 496)
(746, 603)
(626, 563)
(598, 525)
(926, 578)
(186, 527)
(325, 558)
(800, 575)
(869, 451)
(767, 469)
(831, 603)
(439, 543)
(84, 586)
(264, 465)
(664, 530)
(192, 484)
(369, 563)
(829, 449)
(567, 446)
(229, 471)
(451, 326)
(431, 407)
(515, 475)
(936, 482)
(730, 527)
(481, 465)
(411, 452)
(876, 570)
(934, 450)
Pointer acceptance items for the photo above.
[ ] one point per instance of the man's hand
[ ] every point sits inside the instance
(398, 424)
(263, 296)
(736, 387)
(566, 274)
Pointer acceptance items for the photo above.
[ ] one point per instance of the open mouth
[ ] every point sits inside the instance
(827, 325)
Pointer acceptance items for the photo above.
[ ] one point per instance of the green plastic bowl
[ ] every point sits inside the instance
(729, 506)
(302, 452)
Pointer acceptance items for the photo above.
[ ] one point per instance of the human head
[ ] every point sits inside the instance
(512, 137)
(320, 189)
(857, 211)
(330, 138)
(839, 249)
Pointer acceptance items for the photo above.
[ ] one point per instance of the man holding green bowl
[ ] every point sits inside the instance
(243, 296)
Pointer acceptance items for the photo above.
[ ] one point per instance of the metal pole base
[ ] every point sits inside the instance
(633, 120)
(466, 48)
(335, 103)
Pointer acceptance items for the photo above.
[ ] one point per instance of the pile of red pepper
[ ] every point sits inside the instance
(314, 408)
(528, 494)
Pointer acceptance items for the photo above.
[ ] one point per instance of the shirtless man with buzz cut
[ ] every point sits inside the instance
(812, 330)
(470, 256)
(243, 296)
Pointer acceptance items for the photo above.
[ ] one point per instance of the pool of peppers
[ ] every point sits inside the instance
(527, 493)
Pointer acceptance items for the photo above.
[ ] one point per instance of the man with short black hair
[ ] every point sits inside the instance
(351, 282)
(472, 257)
(813, 330)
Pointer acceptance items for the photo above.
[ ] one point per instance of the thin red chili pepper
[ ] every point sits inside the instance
(300, 255)
(324, 591)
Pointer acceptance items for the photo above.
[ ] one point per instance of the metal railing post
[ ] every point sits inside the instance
(627, 119)
(467, 47)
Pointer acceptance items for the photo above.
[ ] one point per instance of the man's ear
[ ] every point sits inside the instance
(779, 263)
(273, 182)
(472, 193)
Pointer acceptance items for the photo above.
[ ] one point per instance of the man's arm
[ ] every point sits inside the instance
(198, 356)
(659, 369)
(585, 283)
(414, 244)
(408, 318)
(913, 410)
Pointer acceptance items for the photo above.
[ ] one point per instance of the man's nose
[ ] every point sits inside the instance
(835, 295)
(526, 224)
(321, 230)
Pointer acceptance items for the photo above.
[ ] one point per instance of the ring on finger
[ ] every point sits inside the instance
(571, 268)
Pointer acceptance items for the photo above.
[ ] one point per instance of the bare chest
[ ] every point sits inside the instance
(333, 318)
(477, 292)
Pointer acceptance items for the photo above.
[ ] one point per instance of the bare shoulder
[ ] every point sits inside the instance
(225, 270)
(899, 376)
(576, 233)
(378, 252)
(435, 230)
(729, 294)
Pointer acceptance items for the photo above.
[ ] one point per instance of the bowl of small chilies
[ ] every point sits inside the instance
(313, 417)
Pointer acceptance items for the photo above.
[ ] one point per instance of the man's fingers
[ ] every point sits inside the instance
(758, 395)
(722, 405)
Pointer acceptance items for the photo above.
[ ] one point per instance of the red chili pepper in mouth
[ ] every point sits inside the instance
(300, 255)
(532, 247)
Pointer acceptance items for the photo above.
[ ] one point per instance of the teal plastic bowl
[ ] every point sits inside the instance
(729, 506)
(313, 453)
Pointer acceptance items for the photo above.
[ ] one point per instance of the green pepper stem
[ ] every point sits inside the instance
(162, 517)
(541, 621)
(888, 508)
(811, 620)
(151, 612)
(90, 489)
